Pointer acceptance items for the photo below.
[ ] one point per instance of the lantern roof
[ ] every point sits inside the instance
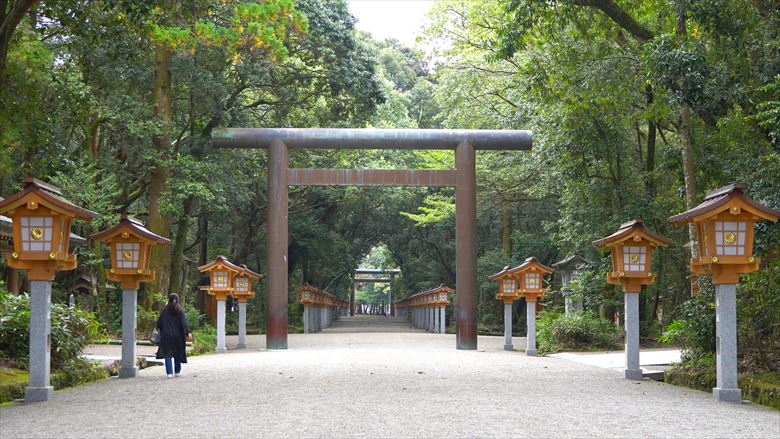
(51, 196)
(721, 200)
(632, 230)
(307, 287)
(132, 226)
(248, 273)
(529, 263)
(571, 262)
(221, 262)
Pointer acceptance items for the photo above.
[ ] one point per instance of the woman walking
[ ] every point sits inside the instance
(174, 331)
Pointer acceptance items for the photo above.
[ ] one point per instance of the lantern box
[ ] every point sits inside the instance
(131, 248)
(632, 250)
(527, 280)
(243, 283)
(508, 282)
(41, 229)
(724, 225)
(222, 274)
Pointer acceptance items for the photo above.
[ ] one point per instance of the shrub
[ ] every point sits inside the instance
(194, 317)
(693, 328)
(575, 332)
(204, 339)
(71, 330)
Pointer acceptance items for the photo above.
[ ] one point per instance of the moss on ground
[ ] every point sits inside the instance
(760, 388)
(13, 381)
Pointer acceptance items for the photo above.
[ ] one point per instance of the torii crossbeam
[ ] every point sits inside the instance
(463, 178)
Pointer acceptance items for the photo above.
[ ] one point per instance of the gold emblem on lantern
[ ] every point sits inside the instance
(127, 254)
(220, 279)
(634, 259)
(730, 237)
(36, 233)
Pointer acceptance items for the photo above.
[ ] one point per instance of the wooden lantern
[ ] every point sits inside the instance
(222, 274)
(632, 250)
(724, 225)
(243, 284)
(131, 248)
(41, 229)
(508, 283)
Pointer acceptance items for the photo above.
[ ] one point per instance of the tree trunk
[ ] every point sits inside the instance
(10, 17)
(203, 247)
(650, 156)
(159, 222)
(179, 243)
(689, 170)
(506, 228)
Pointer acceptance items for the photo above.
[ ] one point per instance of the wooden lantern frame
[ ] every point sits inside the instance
(632, 248)
(131, 248)
(244, 277)
(220, 264)
(531, 268)
(724, 225)
(41, 229)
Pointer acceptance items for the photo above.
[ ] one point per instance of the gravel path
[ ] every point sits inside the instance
(384, 384)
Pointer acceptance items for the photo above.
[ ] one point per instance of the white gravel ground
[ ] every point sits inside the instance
(383, 384)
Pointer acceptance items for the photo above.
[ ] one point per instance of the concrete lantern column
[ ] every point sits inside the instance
(435, 320)
(306, 328)
(442, 320)
(241, 325)
(632, 371)
(530, 310)
(39, 388)
(508, 327)
(323, 318)
(129, 315)
(726, 344)
(430, 319)
(221, 327)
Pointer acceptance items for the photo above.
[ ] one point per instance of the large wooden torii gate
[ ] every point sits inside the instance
(463, 178)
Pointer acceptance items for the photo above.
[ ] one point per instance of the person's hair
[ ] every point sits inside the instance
(173, 304)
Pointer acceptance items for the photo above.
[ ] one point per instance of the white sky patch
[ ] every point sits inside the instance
(400, 19)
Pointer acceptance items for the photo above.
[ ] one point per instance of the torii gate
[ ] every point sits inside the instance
(392, 272)
(463, 178)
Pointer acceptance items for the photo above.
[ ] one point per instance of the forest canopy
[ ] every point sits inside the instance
(637, 108)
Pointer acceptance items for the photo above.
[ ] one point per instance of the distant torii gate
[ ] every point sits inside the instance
(392, 272)
(463, 178)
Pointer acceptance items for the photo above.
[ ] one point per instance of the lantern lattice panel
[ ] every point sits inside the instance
(36, 233)
(127, 254)
(219, 279)
(634, 258)
(730, 238)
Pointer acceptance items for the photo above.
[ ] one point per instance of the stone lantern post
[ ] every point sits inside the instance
(632, 250)
(724, 225)
(41, 231)
(131, 247)
(508, 292)
(222, 273)
(242, 293)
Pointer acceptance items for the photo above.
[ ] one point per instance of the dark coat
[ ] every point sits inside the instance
(173, 335)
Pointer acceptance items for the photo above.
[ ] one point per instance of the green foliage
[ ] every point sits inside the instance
(71, 330)
(194, 317)
(75, 372)
(575, 332)
(204, 340)
(758, 319)
(436, 209)
(693, 328)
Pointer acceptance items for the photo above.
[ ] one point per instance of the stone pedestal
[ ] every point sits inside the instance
(241, 325)
(306, 320)
(530, 311)
(632, 371)
(221, 327)
(323, 318)
(430, 319)
(508, 327)
(442, 320)
(129, 316)
(726, 344)
(38, 387)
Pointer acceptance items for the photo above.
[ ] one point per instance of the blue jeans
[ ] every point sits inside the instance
(169, 367)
